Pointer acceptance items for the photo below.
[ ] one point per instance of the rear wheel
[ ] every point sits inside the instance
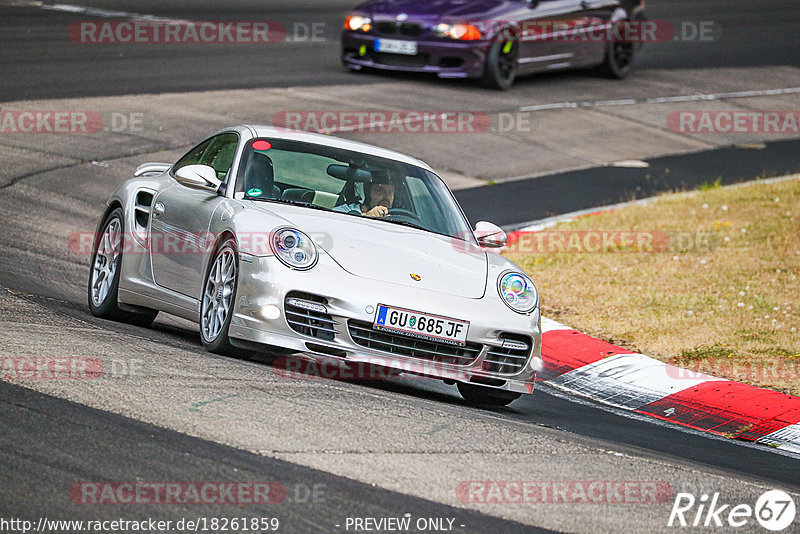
(106, 269)
(483, 396)
(219, 296)
(618, 61)
(500, 69)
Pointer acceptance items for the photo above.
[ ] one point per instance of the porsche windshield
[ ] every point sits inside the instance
(349, 183)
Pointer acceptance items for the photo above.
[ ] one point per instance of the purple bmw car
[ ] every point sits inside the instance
(494, 40)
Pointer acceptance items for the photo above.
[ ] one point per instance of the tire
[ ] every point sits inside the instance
(500, 68)
(485, 396)
(219, 298)
(618, 61)
(105, 271)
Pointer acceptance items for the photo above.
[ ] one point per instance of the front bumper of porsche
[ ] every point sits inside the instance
(336, 311)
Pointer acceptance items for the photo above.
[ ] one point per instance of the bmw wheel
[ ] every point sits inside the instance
(105, 274)
(618, 61)
(219, 297)
(500, 69)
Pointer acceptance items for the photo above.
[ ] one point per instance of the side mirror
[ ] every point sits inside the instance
(490, 235)
(200, 177)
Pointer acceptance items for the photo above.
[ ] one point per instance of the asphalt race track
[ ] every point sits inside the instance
(589, 188)
(37, 64)
(169, 411)
(106, 440)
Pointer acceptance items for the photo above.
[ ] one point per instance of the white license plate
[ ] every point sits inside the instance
(393, 46)
(421, 325)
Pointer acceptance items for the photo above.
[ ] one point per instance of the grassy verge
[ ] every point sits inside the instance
(706, 279)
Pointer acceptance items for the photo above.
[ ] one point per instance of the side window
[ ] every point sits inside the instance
(193, 156)
(217, 152)
(220, 154)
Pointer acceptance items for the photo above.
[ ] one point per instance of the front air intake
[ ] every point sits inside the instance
(509, 358)
(308, 315)
(364, 335)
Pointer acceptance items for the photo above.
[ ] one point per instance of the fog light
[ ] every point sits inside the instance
(270, 312)
(537, 364)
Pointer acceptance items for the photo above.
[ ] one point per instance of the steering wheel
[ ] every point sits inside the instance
(399, 214)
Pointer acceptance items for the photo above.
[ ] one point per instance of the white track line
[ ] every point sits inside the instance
(92, 11)
(663, 99)
(588, 104)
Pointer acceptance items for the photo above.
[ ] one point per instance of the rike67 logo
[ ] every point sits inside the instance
(774, 510)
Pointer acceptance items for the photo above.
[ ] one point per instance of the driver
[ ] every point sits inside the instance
(380, 197)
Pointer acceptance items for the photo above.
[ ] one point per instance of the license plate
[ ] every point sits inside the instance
(421, 325)
(393, 46)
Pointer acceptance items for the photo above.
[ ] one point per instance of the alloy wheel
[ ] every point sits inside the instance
(104, 268)
(218, 293)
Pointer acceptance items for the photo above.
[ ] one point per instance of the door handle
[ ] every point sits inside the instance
(158, 209)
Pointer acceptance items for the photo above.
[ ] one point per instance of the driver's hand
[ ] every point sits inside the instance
(378, 211)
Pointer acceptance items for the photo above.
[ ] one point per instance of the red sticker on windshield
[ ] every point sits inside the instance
(261, 145)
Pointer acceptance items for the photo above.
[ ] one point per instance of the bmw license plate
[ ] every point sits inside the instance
(394, 46)
(421, 325)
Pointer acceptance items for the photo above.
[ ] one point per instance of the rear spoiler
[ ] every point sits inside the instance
(151, 168)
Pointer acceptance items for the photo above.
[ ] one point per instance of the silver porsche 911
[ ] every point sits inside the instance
(289, 242)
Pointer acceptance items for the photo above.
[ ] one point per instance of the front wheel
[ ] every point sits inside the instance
(484, 396)
(219, 297)
(106, 269)
(500, 69)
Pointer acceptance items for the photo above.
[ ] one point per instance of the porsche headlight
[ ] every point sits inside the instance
(294, 248)
(357, 22)
(518, 292)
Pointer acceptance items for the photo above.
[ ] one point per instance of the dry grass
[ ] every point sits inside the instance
(727, 306)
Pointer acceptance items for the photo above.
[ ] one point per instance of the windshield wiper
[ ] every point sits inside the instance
(402, 223)
(287, 201)
(314, 206)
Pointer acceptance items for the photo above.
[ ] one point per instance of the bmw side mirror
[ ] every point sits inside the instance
(490, 235)
(200, 177)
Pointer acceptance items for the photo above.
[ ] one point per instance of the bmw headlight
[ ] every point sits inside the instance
(518, 292)
(294, 248)
(463, 32)
(357, 22)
